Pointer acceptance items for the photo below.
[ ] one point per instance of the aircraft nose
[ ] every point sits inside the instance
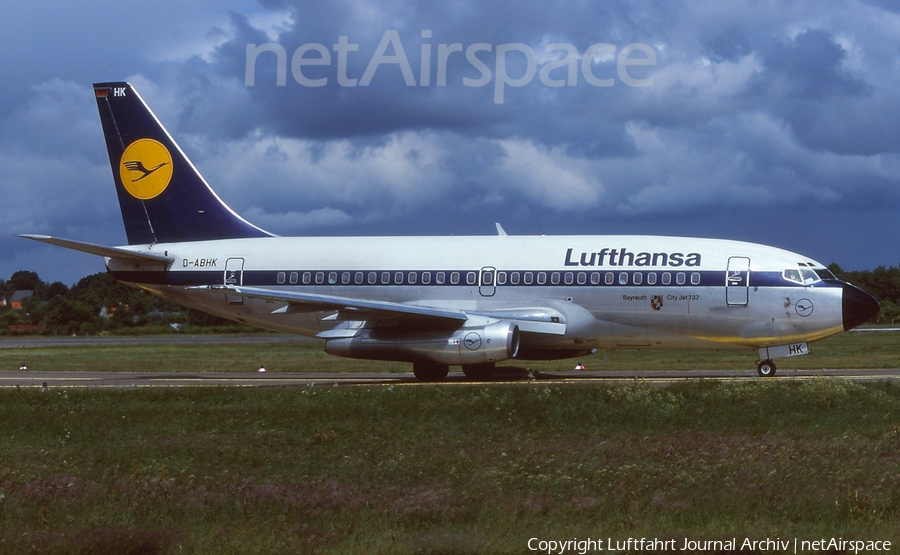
(857, 306)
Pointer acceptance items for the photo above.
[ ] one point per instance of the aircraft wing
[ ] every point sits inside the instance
(100, 250)
(348, 308)
(536, 320)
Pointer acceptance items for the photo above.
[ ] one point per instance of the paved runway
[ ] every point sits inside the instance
(503, 376)
(310, 379)
(32, 342)
(36, 342)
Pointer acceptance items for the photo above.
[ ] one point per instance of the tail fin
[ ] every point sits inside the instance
(162, 195)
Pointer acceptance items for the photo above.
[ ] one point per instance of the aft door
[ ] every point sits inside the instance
(487, 281)
(737, 281)
(234, 276)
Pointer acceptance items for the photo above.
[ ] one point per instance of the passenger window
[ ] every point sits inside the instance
(398, 278)
(293, 277)
(637, 278)
(582, 278)
(695, 278)
(280, 277)
(307, 277)
(439, 278)
(426, 277)
(471, 278)
(595, 278)
(666, 278)
(514, 278)
(454, 278)
(359, 277)
(373, 278)
(320, 277)
(385, 277)
(680, 278)
(609, 278)
(554, 278)
(345, 278)
(623, 278)
(529, 278)
(501, 278)
(542, 278)
(412, 278)
(332, 277)
(651, 278)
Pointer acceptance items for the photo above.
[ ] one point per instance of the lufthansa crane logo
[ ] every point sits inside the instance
(145, 168)
(804, 307)
(472, 341)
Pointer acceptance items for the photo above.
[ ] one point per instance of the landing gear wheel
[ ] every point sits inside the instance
(765, 369)
(430, 371)
(479, 372)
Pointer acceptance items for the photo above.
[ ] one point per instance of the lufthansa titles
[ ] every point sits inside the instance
(623, 257)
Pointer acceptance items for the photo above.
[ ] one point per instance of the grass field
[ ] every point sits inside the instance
(452, 469)
(443, 469)
(848, 350)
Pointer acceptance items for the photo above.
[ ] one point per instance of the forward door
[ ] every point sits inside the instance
(737, 281)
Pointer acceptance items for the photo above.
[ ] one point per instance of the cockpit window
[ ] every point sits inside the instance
(804, 276)
(809, 276)
(825, 273)
(792, 274)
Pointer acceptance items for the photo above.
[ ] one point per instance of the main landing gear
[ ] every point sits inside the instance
(437, 372)
(479, 372)
(430, 371)
(765, 369)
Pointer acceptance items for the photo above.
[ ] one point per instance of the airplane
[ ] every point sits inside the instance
(437, 302)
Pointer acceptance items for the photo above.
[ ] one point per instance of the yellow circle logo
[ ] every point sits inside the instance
(145, 168)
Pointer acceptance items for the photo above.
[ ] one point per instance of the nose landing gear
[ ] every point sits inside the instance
(765, 369)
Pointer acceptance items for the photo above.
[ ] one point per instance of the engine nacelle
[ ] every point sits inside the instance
(477, 345)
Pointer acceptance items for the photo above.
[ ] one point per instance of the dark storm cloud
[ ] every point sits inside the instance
(760, 124)
(809, 67)
(889, 5)
(741, 112)
(806, 82)
(388, 104)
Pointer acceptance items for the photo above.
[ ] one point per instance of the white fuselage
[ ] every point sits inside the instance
(612, 291)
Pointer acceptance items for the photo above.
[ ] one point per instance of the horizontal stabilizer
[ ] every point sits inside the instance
(117, 253)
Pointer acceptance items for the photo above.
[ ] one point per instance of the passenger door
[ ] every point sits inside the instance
(737, 281)
(234, 276)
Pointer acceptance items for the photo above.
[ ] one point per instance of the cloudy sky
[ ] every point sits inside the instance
(773, 122)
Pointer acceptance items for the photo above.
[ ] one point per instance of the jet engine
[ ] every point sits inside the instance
(467, 345)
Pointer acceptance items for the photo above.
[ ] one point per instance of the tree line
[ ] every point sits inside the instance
(96, 304)
(882, 282)
(99, 304)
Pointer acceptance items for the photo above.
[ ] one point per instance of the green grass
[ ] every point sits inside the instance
(300, 356)
(444, 469)
(848, 350)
